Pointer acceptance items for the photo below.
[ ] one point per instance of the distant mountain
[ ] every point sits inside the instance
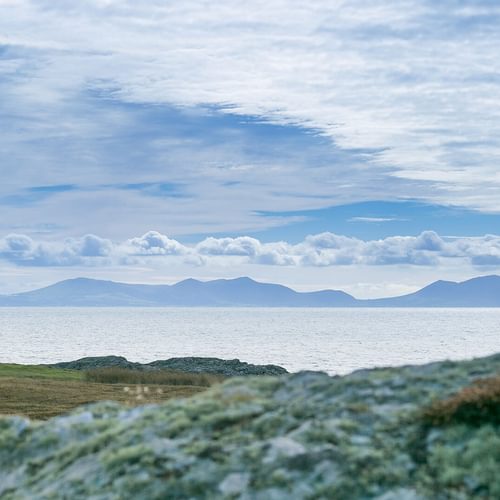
(190, 292)
(477, 292)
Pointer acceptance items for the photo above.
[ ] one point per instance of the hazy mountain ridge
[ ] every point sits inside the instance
(483, 291)
(477, 292)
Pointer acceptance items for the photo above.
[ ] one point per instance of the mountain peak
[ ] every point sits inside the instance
(483, 291)
(187, 282)
(488, 277)
(242, 279)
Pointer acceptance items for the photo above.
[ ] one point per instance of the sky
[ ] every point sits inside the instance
(338, 144)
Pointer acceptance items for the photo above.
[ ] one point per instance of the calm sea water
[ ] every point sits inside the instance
(333, 340)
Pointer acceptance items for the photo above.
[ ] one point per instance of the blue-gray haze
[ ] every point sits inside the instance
(483, 291)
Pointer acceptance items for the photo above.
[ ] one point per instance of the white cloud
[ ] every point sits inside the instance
(243, 245)
(154, 243)
(374, 219)
(321, 250)
(93, 246)
(24, 251)
(417, 81)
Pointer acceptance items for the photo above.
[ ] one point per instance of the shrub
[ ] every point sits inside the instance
(476, 404)
(117, 375)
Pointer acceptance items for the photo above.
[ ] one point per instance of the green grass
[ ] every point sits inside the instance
(39, 372)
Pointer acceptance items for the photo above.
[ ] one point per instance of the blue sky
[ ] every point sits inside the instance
(375, 123)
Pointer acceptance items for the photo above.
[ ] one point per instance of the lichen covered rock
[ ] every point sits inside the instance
(226, 367)
(301, 436)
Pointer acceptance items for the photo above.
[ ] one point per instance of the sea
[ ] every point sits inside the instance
(336, 341)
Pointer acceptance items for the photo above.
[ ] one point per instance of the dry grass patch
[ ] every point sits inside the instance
(41, 392)
(116, 375)
(45, 398)
(476, 404)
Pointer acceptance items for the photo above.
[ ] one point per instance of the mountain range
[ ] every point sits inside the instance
(483, 291)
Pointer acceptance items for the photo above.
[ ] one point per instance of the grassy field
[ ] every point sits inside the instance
(41, 392)
(39, 372)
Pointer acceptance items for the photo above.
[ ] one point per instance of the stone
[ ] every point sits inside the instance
(234, 483)
(226, 367)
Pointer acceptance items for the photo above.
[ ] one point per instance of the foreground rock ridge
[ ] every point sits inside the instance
(226, 367)
(300, 436)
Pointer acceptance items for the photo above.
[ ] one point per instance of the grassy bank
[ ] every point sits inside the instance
(38, 371)
(41, 392)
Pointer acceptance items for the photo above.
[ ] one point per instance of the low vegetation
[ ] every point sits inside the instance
(299, 436)
(476, 404)
(116, 375)
(41, 392)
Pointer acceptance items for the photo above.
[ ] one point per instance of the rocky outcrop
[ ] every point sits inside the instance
(94, 362)
(227, 367)
(301, 436)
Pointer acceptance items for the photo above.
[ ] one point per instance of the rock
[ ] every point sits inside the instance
(92, 363)
(298, 436)
(229, 368)
(235, 483)
(283, 447)
(401, 494)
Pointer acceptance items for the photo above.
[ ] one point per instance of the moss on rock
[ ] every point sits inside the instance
(301, 436)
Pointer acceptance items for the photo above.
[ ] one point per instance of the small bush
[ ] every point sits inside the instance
(117, 375)
(476, 404)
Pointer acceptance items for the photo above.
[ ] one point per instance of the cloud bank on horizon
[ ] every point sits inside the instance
(235, 125)
(320, 250)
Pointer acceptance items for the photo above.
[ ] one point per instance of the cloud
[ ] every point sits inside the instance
(244, 246)
(154, 243)
(400, 118)
(24, 251)
(375, 219)
(320, 250)
(93, 246)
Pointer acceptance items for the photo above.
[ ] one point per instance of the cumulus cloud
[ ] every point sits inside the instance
(155, 243)
(16, 245)
(93, 246)
(88, 250)
(320, 250)
(243, 245)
